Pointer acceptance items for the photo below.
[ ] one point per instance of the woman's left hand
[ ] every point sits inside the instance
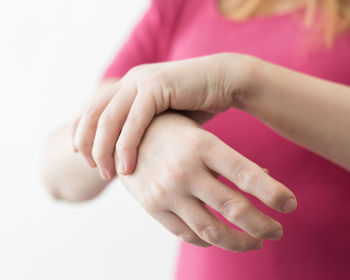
(118, 119)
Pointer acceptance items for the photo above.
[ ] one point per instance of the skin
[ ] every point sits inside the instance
(312, 112)
(316, 120)
(144, 92)
(67, 176)
(147, 90)
(118, 119)
(296, 105)
(174, 192)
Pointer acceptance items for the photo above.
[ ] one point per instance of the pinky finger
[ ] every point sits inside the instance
(176, 226)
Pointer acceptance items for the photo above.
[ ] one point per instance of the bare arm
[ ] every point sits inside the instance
(309, 111)
(312, 112)
(65, 173)
(184, 178)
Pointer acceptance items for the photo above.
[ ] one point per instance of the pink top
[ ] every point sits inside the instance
(316, 242)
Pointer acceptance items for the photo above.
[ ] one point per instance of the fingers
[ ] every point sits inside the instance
(212, 230)
(73, 131)
(176, 226)
(141, 113)
(248, 176)
(108, 128)
(237, 209)
(84, 133)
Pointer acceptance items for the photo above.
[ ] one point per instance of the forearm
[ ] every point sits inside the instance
(309, 111)
(66, 174)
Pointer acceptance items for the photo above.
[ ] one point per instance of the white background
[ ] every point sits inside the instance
(52, 53)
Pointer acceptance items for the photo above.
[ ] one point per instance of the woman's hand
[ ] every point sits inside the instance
(118, 118)
(176, 175)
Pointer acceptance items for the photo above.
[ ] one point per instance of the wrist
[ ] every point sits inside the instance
(246, 70)
(168, 120)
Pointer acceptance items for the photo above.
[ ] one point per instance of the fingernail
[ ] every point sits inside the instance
(104, 174)
(121, 167)
(289, 205)
(91, 162)
(278, 234)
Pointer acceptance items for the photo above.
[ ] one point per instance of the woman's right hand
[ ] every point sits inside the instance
(176, 175)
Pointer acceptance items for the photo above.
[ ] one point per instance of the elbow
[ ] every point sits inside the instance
(59, 194)
(51, 187)
(68, 188)
(62, 187)
(65, 193)
(54, 192)
(48, 181)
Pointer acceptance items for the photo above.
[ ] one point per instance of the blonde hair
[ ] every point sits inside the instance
(335, 13)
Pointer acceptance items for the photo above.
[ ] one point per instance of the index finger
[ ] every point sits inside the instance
(248, 176)
(140, 116)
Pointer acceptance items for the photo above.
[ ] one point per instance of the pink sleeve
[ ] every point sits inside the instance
(148, 42)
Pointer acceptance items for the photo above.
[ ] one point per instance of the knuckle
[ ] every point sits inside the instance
(195, 139)
(105, 119)
(235, 210)
(188, 237)
(147, 202)
(158, 77)
(196, 143)
(122, 147)
(211, 234)
(244, 174)
(162, 94)
(168, 89)
(158, 193)
(90, 116)
(136, 119)
(176, 172)
(137, 68)
(98, 155)
(133, 71)
(152, 199)
(81, 145)
(139, 74)
(148, 205)
(241, 173)
(157, 82)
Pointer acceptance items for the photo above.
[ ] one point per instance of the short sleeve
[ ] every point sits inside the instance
(148, 42)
